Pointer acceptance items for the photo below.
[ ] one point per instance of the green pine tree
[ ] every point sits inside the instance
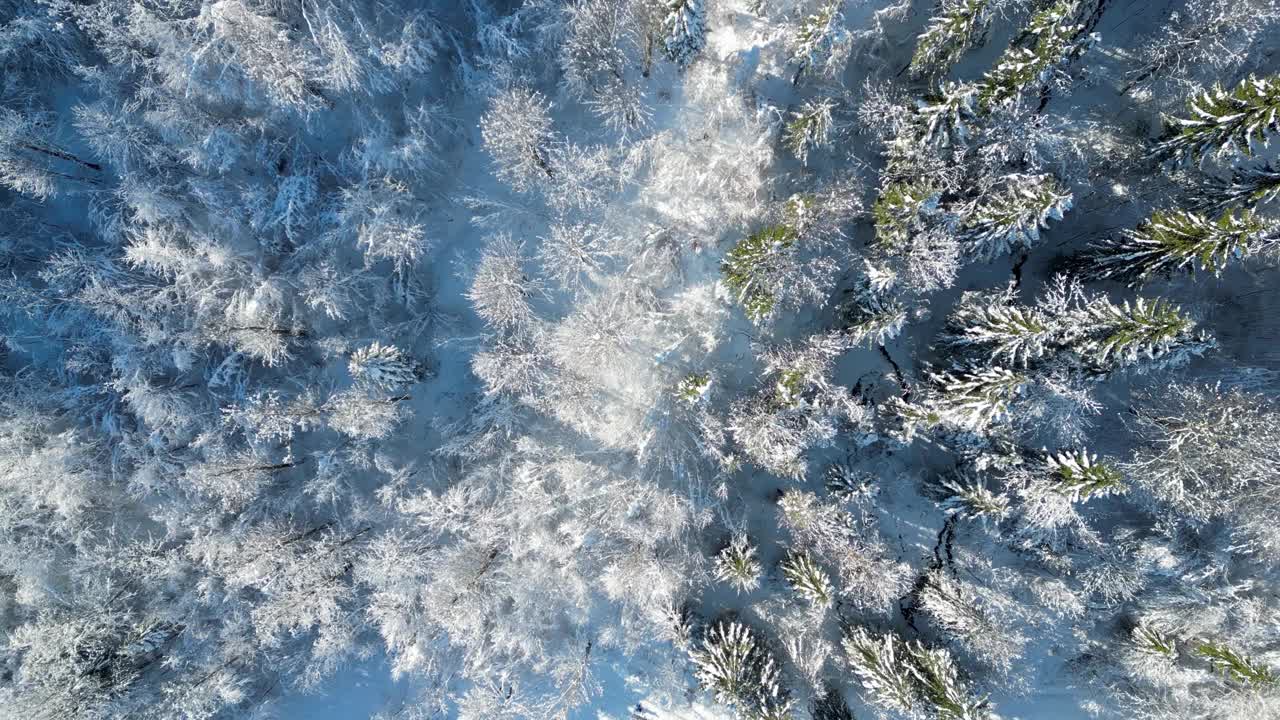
(809, 127)
(1056, 39)
(737, 565)
(1138, 334)
(1174, 241)
(1080, 476)
(748, 268)
(808, 580)
(1013, 217)
(1225, 122)
(951, 32)
(1237, 667)
(898, 210)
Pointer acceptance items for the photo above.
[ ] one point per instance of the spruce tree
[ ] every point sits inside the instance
(1176, 241)
(955, 28)
(685, 30)
(1224, 122)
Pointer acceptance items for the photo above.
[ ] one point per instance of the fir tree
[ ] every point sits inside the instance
(1222, 122)
(809, 127)
(737, 565)
(1080, 476)
(1237, 667)
(954, 29)
(1056, 39)
(1013, 217)
(685, 28)
(1180, 241)
(807, 579)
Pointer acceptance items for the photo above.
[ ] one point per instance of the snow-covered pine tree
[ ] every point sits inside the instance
(1005, 331)
(1079, 475)
(1056, 37)
(1236, 666)
(737, 565)
(809, 128)
(904, 676)
(946, 116)
(1137, 336)
(940, 684)
(1174, 241)
(1012, 217)
(808, 580)
(871, 320)
(1224, 122)
(685, 30)
(954, 28)
(881, 666)
(898, 211)
(734, 665)
(1153, 641)
(970, 498)
(973, 398)
(1249, 187)
(382, 366)
(821, 41)
(749, 269)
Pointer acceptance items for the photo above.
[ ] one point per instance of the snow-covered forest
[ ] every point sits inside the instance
(639, 359)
